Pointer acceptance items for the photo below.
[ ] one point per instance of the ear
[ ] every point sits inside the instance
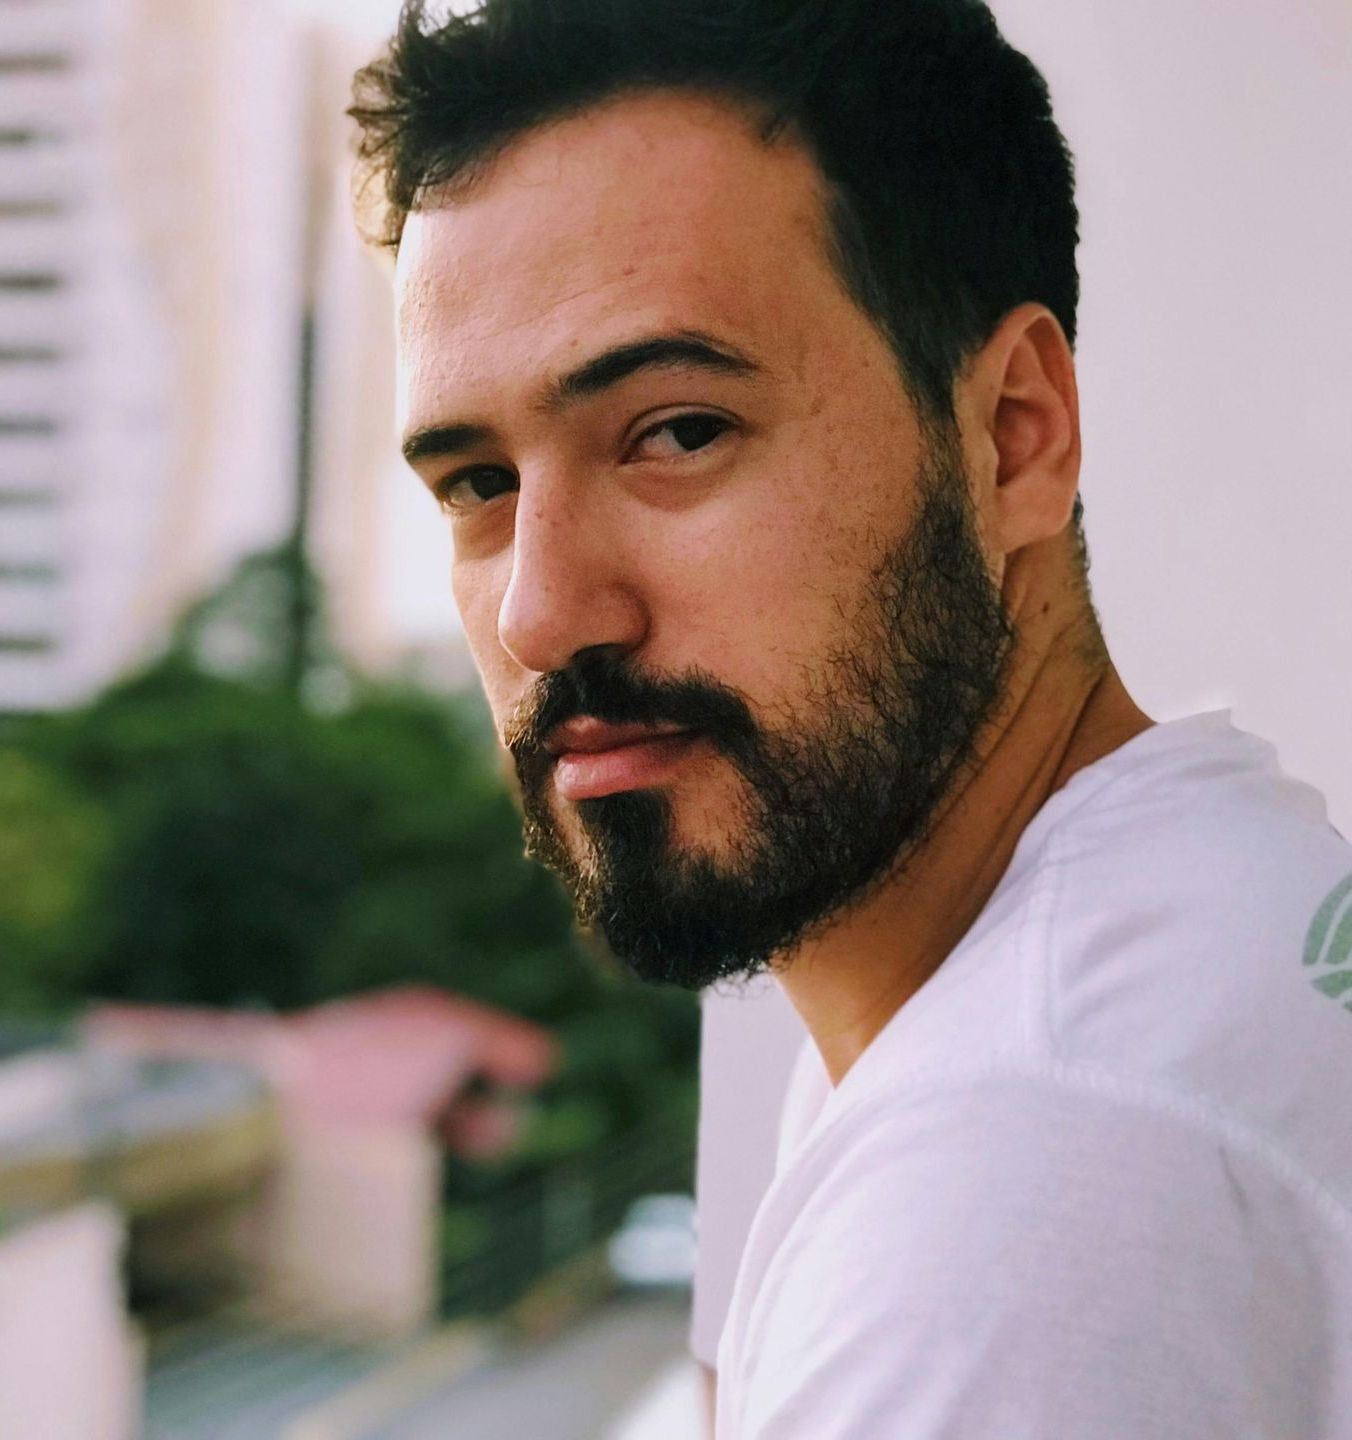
(1026, 410)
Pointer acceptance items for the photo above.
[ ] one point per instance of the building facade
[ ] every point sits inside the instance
(173, 216)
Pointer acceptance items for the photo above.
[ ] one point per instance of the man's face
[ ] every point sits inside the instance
(725, 592)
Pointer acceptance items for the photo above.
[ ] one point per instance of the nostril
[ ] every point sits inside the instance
(606, 655)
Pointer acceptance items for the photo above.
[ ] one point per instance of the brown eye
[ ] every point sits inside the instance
(681, 435)
(471, 488)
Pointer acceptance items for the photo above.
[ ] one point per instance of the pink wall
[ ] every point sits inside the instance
(1215, 156)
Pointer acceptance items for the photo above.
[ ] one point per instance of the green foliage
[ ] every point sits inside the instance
(53, 842)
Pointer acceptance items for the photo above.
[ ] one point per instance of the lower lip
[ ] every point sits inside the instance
(589, 774)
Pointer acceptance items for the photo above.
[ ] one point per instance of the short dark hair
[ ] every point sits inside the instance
(951, 187)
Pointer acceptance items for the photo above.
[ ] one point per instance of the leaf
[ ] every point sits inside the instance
(1323, 920)
(1335, 985)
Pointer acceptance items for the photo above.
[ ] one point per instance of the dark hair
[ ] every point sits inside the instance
(951, 188)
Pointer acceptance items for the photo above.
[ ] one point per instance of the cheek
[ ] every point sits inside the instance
(756, 591)
(478, 598)
(778, 569)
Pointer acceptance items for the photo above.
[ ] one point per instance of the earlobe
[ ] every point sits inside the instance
(1034, 424)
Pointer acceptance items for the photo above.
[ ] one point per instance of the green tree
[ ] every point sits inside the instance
(53, 843)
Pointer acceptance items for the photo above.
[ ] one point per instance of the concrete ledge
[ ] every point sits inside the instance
(443, 1356)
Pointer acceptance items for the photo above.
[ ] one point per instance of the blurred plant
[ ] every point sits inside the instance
(53, 843)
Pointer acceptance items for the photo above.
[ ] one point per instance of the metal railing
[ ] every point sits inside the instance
(539, 1221)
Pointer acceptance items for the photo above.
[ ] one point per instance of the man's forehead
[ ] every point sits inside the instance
(653, 202)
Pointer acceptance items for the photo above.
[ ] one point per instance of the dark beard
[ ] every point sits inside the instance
(833, 802)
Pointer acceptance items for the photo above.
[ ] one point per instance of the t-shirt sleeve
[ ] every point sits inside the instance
(1016, 1260)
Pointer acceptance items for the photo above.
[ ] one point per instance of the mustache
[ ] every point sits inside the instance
(607, 686)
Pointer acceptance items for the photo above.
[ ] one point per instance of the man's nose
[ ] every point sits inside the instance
(570, 588)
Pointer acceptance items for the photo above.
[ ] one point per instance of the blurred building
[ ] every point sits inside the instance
(262, 1182)
(92, 1145)
(370, 1093)
(180, 285)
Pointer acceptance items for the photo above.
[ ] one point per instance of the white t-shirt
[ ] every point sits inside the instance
(1094, 1180)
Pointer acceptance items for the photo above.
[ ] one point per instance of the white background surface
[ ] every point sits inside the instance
(1214, 140)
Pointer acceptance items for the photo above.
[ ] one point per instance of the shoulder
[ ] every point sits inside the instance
(993, 1155)
(1192, 932)
(1214, 836)
(1029, 1249)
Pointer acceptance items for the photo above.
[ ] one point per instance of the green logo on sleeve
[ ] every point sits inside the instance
(1329, 943)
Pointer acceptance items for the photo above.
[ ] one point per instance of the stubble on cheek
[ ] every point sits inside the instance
(711, 812)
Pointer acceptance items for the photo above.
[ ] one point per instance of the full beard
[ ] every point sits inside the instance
(832, 803)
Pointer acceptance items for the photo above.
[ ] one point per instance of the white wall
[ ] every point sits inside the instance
(749, 1039)
(1214, 140)
(70, 1364)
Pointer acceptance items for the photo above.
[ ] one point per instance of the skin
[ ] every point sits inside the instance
(664, 212)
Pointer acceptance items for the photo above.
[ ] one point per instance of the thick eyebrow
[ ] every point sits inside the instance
(440, 442)
(685, 349)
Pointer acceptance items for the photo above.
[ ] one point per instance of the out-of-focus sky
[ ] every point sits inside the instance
(360, 16)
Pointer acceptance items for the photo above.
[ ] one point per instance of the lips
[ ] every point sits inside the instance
(588, 736)
(594, 758)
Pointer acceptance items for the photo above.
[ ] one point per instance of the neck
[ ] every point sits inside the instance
(1064, 708)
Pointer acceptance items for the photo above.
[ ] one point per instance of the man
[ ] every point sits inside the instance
(736, 343)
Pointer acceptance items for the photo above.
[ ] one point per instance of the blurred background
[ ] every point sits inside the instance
(317, 1117)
